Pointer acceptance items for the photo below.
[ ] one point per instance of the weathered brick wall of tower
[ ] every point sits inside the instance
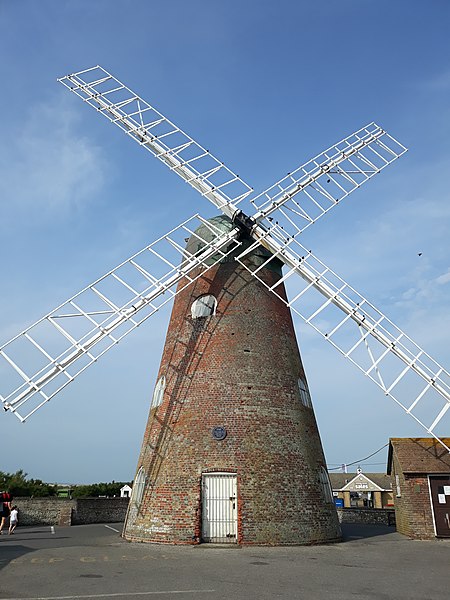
(237, 369)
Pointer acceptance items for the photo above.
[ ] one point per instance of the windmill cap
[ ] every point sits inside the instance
(223, 224)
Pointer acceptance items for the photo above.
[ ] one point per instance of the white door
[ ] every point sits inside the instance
(219, 508)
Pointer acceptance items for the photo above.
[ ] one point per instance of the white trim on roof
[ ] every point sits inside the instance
(352, 485)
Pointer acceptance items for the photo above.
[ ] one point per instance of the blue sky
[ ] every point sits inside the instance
(265, 86)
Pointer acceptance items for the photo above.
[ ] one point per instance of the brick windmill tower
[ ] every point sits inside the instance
(231, 451)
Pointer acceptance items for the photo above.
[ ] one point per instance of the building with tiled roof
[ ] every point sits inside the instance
(420, 470)
(362, 489)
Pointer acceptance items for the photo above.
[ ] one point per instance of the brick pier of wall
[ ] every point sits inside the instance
(66, 512)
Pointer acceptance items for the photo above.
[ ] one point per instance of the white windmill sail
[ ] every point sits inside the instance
(296, 201)
(52, 352)
(313, 189)
(42, 360)
(357, 329)
(322, 182)
(157, 134)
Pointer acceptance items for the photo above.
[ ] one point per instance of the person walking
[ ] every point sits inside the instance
(13, 519)
(5, 508)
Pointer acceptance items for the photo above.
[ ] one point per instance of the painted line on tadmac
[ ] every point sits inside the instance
(117, 595)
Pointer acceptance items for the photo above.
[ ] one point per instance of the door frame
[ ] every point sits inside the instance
(429, 477)
(232, 476)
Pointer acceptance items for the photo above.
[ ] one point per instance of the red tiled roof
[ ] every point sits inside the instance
(420, 455)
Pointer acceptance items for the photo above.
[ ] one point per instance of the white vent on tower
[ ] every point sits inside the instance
(204, 306)
(326, 485)
(138, 488)
(158, 392)
(304, 393)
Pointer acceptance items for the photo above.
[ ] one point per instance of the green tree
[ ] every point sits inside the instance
(18, 484)
(98, 489)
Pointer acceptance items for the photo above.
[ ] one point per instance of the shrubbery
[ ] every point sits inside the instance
(97, 489)
(18, 485)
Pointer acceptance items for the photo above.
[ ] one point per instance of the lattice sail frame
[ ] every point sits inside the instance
(158, 135)
(296, 201)
(65, 342)
(358, 330)
(322, 182)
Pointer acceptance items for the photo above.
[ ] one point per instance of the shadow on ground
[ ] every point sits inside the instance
(26, 540)
(10, 552)
(352, 531)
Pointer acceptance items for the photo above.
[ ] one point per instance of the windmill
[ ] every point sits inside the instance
(231, 450)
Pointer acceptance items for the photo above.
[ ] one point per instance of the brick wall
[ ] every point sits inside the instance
(238, 369)
(62, 511)
(413, 510)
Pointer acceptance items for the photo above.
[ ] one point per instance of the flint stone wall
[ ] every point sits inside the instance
(367, 516)
(76, 511)
(85, 511)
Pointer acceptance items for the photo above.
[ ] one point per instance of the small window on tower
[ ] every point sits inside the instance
(158, 392)
(326, 485)
(304, 393)
(204, 306)
(138, 488)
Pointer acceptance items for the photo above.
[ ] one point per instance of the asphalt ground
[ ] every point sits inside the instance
(93, 561)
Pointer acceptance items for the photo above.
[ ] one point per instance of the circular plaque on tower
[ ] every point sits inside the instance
(219, 433)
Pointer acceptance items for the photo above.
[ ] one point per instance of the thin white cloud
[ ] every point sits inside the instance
(443, 279)
(47, 169)
(439, 83)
